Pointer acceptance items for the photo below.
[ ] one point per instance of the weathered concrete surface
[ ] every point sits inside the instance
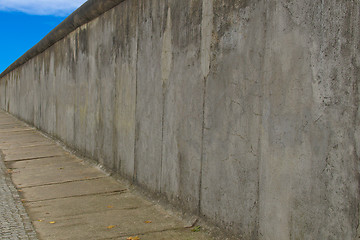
(233, 117)
(244, 112)
(66, 198)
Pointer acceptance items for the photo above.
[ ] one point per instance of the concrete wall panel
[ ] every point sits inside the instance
(125, 50)
(183, 94)
(149, 94)
(230, 174)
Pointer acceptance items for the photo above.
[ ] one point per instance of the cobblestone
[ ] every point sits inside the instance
(14, 221)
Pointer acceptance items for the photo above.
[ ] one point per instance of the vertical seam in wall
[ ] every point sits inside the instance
(56, 133)
(75, 102)
(261, 110)
(115, 137)
(205, 79)
(136, 89)
(162, 141)
(163, 113)
(5, 102)
(33, 98)
(116, 161)
(202, 143)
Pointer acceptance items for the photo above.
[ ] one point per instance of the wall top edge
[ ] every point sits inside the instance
(84, 14)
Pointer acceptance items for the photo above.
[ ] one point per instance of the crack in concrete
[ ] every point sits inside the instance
(58, 183)
(141, 234)
(28, 146)
(76, 196)
(34, 158)
(101, 211)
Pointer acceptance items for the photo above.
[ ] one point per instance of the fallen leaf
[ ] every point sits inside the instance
(148, 221)
(52, 222)
(109, 206)
(111, 226)
(40, 220)
(19, 190)
(133, 238)
(196, 229)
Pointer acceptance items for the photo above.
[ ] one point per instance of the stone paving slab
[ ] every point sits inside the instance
(11, 136)
(15, 129)
(59, 161)
(67, 198)
(9, 145)
(10, 126)
(127, 222)
(64, 173)
(65, 207)
(33, 152)
(21, 141)
(71, 189)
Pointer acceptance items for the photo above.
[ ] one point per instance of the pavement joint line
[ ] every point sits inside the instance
(89, 195)
(9, 165)
(20, 130)
(34, 158)
(58, 183)
(140, 234)
(19, 143)
(13, 135)
(76, 196)
(40, 145)
(103, 210)
(36, 145)
(25, 133)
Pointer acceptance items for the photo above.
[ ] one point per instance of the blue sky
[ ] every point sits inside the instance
(23, 23)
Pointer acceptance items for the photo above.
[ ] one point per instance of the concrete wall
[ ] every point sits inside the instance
(244, 112)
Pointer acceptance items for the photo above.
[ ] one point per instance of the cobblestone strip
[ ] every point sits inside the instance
(14, 221)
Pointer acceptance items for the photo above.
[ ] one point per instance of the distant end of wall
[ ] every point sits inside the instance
(87, 12)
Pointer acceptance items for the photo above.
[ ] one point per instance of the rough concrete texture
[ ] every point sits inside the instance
(244, 112)
(67, 198)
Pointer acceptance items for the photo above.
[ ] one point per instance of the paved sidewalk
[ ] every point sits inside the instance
(66, 198)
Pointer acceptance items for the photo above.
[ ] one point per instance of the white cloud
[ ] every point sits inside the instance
(41, 7)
